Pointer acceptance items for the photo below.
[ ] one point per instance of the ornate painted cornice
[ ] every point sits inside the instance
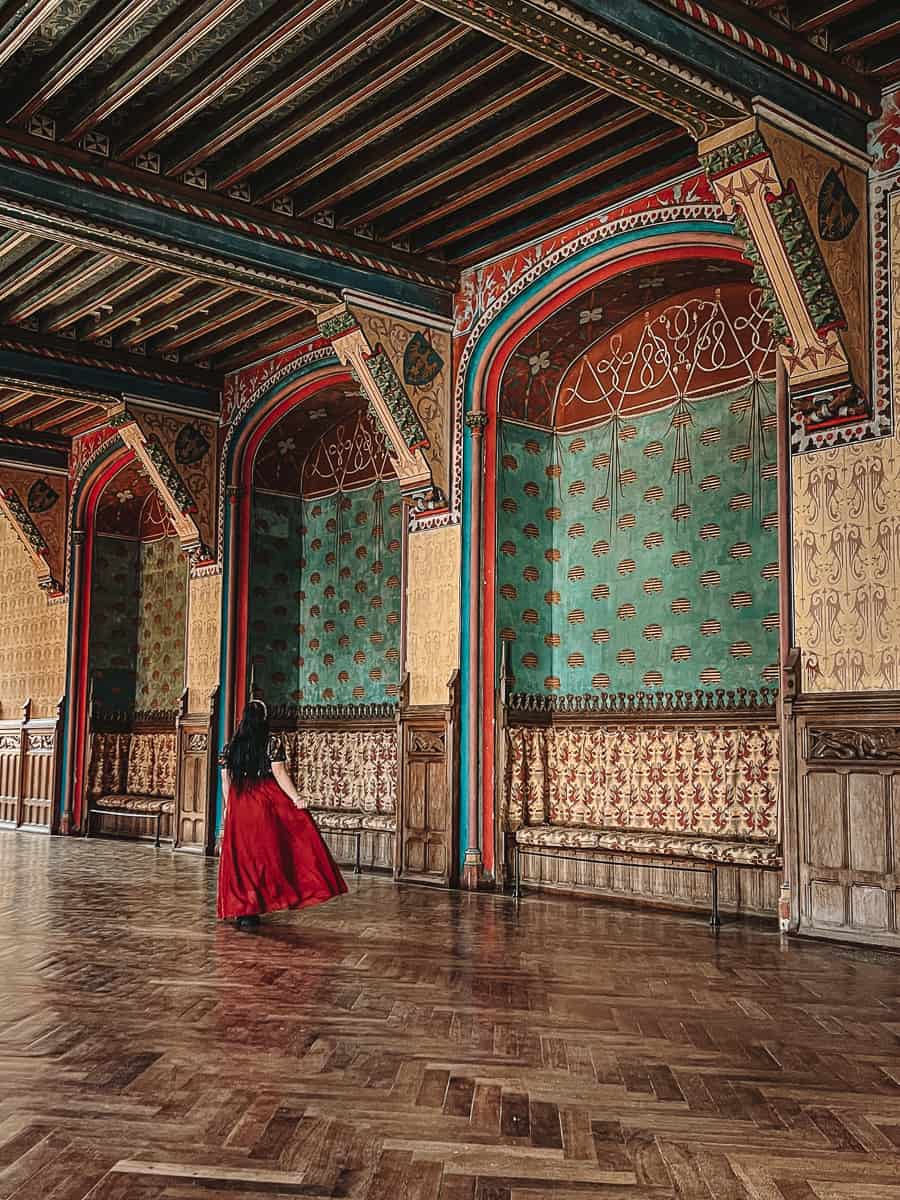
(297, 714)
(580, 45)
(740, 700)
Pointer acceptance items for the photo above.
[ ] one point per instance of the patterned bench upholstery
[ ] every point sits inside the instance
(689, 792)
(132, 774)
(348, 778)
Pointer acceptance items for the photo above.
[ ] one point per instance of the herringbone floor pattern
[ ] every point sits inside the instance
(414, 1044)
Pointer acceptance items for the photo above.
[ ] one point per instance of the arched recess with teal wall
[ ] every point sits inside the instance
(258, 414)
(621, 247)
(110, 458)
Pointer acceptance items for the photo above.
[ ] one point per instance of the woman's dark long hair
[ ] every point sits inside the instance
(247, 754)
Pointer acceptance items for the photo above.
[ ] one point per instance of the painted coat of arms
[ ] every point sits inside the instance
(837, 211)
(190, 446)
(421, 362)
(41, 496)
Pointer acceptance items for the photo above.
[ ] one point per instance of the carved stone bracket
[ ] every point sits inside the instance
(389, 405)
(754, 168)
(32, 539)
(175, 495)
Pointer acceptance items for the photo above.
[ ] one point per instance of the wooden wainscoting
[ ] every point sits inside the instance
(427, 829)
(845, 808)
(196, 789)
(29, 771)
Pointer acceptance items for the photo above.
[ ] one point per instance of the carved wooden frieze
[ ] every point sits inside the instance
(854, 745)
(430, 742)
(9, 741)
(198, 743)
(40, 742)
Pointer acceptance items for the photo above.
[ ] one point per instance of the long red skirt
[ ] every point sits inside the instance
(273, 856)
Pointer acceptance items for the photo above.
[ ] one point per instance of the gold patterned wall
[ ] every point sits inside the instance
(204, 629)
(432, 632)
(846, 534)
(415, 352)
(32, 634)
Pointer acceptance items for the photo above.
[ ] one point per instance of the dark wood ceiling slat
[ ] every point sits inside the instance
(18, 22)
(338, 102)
(865, 29)
(86, 42)
(407, 108)
(483, 216)
(186, 26)
(403, 191)
(65, 411)
(206, 326)
(214, 78)
(78, 277)
(208, 349)
(816, 14)
(102, 296)
(172, 316)
(143, 301)
(37, 265)
(15, 396)
(362, 171)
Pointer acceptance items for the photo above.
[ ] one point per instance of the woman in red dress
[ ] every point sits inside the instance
(273, 856)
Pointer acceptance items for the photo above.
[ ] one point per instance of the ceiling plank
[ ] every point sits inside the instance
(86, 42)
(34, 408)
(816, 14)
(857, 32)
(404, 192)
(11, 240)
(223, 69)
(66, 411)
(186, 26)
(170, 289)
(18, 22)
(639, 146)
(105, 296)
(305, 125)
(450, 124)
(207, 349)
(288, 85)
(78, 277)
(15, 397)
(36, 266)
(202, 327)
(171, 318)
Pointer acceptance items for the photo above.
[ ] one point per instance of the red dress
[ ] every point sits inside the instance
(273, 856)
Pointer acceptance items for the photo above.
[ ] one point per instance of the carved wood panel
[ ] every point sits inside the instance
(847, 808)
(196, 786)
(427, 828)
(28, 771)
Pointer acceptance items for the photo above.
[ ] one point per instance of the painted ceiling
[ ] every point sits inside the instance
(535, 371)
(130, 506)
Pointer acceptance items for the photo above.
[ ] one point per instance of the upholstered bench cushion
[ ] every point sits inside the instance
(343, 820)
(582, 837)
(144, 805)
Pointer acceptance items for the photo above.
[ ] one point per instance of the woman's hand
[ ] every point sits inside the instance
(301, 804)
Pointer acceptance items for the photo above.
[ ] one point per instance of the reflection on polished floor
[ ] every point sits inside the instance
(410, 1043)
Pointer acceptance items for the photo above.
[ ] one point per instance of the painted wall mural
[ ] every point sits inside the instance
(161, 625)
(32, 634)
(325, 580)
(637, 515)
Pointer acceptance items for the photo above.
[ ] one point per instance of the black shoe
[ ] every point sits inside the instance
(248, 923)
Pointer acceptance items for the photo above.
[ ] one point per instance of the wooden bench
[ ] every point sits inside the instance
(345, 768)
(690, 789)
(132, 769)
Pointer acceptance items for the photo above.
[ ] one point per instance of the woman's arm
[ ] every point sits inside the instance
(226, 785)
(284, 781)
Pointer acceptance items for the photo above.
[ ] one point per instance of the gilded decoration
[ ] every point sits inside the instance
(32, 634)
(433, 607)
(203, 637)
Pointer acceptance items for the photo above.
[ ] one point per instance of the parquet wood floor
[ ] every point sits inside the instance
(415, 1044)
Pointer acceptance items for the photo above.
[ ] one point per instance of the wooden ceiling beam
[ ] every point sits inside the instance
(66, 411)
(286, 86)
(11, 240)
(171, 318)
(15, 397)
(349, 96)
(19, 21)
(810, 15)
(206, 349)
(85, 42)
(144, 301)
(366, 169)
(35, 407)
(858, 32)
(560, 184)
(36, 266)
(557, 149)
(202, 327)
(236, 58)
(187, 25)
(78, 277)
(552, 117)
(884, 61)
(104, 296)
